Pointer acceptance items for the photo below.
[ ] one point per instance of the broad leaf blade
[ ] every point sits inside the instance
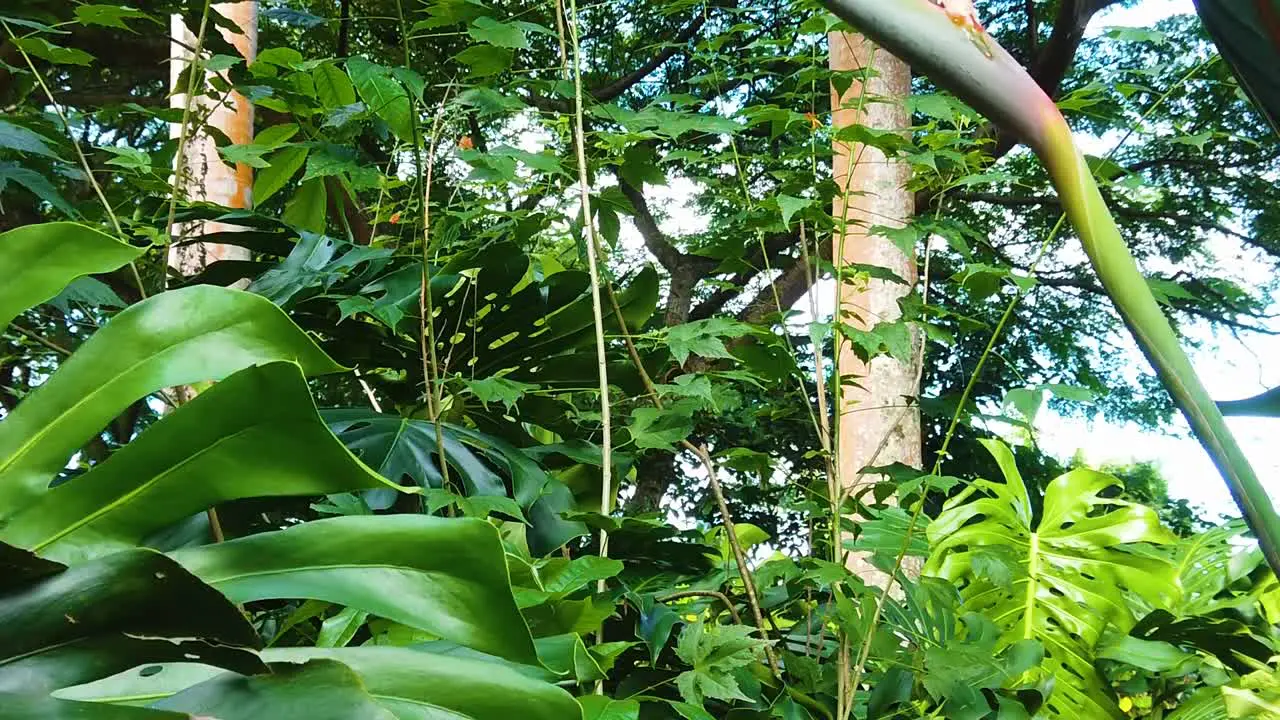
(411, 683)
(37, 261)
(256, 434)
(316, 690)
(446, 576)
(104, 617)
(179, 337)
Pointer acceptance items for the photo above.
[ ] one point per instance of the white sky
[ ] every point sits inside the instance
(1230, 368)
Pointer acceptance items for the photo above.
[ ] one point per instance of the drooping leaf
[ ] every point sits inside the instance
(442, 575)
(407, 448)
(1248, 36)
(40, 260)
(16, 137)
(255, 434)
(103, 617)
(178, 337)
(318, 689)
(36, 184)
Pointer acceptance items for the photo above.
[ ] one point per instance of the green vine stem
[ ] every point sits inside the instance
(972, 65)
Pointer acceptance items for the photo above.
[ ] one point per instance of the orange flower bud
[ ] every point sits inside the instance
(466, 143)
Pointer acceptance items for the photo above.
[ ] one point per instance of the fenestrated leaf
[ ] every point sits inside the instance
(318, 689)
(1075, 578)
(255, 434)
(446, 576)
(417, 684)
(106, 616)
(400, 447)
(38, 261)
(406, 447)
(175, 338)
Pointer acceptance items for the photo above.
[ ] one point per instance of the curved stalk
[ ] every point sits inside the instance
(962, 58)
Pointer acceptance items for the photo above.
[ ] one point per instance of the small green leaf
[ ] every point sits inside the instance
(499, 389)
(283, 166)
(654, 428)
(308, 208)
(790, 206)
(714, 652)
(16, 137)
(600, 707)
(494, 32)
(112, 16)
(56, 54)
(485, 60)
(250, 155)
(35, 183)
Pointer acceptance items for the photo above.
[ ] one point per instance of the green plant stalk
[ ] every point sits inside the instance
(975, 68)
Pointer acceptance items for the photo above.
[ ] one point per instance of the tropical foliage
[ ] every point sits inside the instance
(371, 473)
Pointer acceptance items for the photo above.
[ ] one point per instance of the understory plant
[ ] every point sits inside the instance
(450, 444)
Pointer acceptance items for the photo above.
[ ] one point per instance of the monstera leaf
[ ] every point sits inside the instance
(61, 627)
(256, 434)
(407, 448)
(493, 311)
(1062, 579)
(183, 336)
(445, 576)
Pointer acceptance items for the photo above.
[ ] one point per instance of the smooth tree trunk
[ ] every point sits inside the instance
(879, 420)
(204, 174)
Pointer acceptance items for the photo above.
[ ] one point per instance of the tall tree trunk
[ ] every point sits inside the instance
(204, 175)
(200, 172)
(873, 429)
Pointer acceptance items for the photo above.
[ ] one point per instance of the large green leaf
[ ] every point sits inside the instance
(1074, 573)
(179, 337)
(1247, 33)
(400, 448)
(446, 576)
(37, 261)
(255, 434)
(416, 685)
(316, 690)
(413, 684)
(407, 448)
(100, 618)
